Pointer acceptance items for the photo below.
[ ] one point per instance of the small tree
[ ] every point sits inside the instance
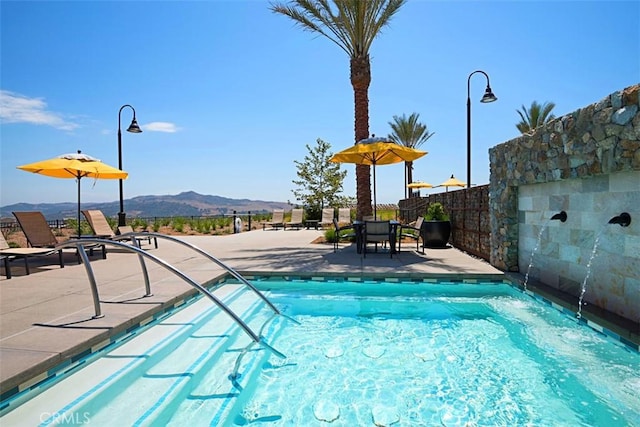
(319, 180)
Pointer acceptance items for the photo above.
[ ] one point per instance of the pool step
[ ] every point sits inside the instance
(160, 387)
(215, 397)
(167, 359)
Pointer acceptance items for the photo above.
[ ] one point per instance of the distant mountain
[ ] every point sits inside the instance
(188, 203)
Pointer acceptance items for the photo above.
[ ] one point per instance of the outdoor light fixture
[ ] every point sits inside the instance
(487, 97)
(133, 128)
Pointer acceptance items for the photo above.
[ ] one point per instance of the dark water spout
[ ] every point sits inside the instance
(562, 216)
(624, 219)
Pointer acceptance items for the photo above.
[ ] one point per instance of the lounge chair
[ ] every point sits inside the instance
(412, 231)
(124, 229)
(277, 220)
(8, 253)
(102, 229)
(38, 233)
(297, 219)
(378, 232)
(7, 268)
(99, 224)
(344, 216)
(341, 233)
(327, 217)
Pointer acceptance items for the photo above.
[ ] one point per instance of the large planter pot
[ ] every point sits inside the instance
(435, 234)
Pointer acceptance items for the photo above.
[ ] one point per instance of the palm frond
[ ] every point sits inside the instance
(352, 26)
(534, 116)
(409, 131)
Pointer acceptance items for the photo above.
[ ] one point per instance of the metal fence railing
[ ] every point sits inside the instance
(247, 218)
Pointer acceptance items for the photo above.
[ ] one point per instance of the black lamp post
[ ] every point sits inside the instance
(133, 128)
(487, 97)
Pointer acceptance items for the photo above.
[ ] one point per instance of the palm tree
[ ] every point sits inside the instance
(535, 116)
(410, 133)
(352, 25)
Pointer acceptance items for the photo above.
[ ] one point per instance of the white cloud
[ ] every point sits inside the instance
(16, 108)
(161, 127)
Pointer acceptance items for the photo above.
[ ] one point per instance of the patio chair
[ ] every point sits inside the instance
(99, 224)
(102, 229)
(38, 233)
(277, 220)
(344, 216)
(341, 234)
(327, 217)
(412, 231)
(8, 254)
(7, 268)
(124, 229)
(377, 232)
(297, 219)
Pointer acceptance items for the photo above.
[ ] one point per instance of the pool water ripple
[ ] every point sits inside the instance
(445, 360)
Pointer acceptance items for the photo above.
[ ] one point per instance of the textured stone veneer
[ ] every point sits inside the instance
(588, 164)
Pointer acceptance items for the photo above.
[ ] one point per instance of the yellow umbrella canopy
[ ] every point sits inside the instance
(419, 184)
(453, 182)
(75, 165)
(376, 151)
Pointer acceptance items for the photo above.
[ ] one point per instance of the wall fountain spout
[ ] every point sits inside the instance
(624, 219)
(562, 216)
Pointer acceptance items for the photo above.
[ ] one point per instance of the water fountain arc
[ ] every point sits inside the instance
(561, 216)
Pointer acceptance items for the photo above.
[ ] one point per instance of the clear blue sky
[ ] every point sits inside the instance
(228, 93)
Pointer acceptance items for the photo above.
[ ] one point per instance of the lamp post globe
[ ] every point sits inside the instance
(133, 128)
(486, 98)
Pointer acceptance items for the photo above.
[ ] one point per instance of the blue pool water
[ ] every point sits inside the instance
(364, 354)
(439, 354)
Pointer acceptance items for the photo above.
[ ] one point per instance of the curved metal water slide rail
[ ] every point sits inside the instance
(79, 245)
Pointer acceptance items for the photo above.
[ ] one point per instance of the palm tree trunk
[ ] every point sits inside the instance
(409, 166)
(406, 182)
(360, 80)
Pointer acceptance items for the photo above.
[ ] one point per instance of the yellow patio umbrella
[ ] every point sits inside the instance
(75, 165)
(419, 185)
(376, 151)
(452, 182)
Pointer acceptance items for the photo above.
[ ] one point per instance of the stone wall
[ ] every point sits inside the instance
(588, 164)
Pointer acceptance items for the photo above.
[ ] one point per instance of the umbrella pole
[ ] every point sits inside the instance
(78, 207)
(375, 205)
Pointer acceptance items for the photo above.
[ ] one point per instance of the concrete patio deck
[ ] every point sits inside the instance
(46, 318)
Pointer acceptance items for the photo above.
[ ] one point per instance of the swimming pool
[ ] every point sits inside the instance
(365, 353)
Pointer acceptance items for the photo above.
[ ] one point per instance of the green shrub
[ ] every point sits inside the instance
(178, 224)
(73, 225)
(205, 226)
(139, 223)
(330, 235)
(435, 212)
